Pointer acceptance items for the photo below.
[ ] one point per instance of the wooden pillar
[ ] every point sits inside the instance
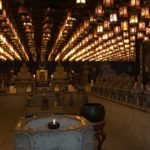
(139, 67)
(142, 60)
(146, 62)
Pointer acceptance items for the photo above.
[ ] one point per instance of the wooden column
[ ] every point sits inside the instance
(139, 67)
(146, 62)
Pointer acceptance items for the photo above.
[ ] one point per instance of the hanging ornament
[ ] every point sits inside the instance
(80, 1)
(124, 25)
(123, 11)
(145, 12)
(133, 19)
(99, 10)
(142, 26)
(108, 3)
(100, 28)
(135, 3)
(106, 25)
(133, 30)
(113, 18)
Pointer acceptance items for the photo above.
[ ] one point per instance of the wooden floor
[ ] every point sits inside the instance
(120, 140)
(116, 139)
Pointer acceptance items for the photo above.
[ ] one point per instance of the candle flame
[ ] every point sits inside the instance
(54, 121)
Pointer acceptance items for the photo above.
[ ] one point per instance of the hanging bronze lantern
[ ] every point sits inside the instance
(145, 12)
(113, 18)
(124, 25)
(99, 10)
(80, 1)
(142, 26)
(119, 38)
(133, 19)
(108, 3)
(106, 25)
(123, 11)
(105, 36)
(110, 34)
(22, 10)
(133, 38)
(117, 29)
(146, 39)
(113, 41)
(126, 41)
(1, 5)
(92, 19)
(133, 30)
(148, 30)
(125, 34)
(140, 35)
(135, 3)
(100, 29)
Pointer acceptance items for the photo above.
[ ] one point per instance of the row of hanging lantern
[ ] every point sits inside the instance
(27, 24)
(6, 46)
(63, 34)
(113, 49)
(3, 58)
(102, 42)
(47, 27)
(4, 54)
(110, 3)
(85, 47)
(87, 38)
(84, 41)
(129, 22)
(10, 38)
(80, 34)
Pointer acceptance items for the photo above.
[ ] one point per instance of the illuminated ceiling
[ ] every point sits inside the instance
(72, 30)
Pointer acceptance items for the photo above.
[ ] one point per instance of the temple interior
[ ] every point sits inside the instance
(75, 75)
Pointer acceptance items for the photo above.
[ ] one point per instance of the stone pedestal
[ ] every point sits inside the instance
(60, 80)
(74, 133)
(23, 80)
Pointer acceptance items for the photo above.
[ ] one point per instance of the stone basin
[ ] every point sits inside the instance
(74, 133)
(66, 122)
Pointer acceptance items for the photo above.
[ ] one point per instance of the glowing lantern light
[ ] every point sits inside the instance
(146, 39)
(125, 34)
(133, 30)
(135, 3)
(133, 38)
(124, 25)
(113, 18)
(106, 25)
(133, 19)
(145, 12)
(99, 10)
(1, 5)
(108, 3)
(148, 30)
(142, 26)
(123, 11)
(140, 35)
(80, 1)
(100, 28)
(117, 30)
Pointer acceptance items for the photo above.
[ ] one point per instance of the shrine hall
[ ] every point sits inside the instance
(74, 74)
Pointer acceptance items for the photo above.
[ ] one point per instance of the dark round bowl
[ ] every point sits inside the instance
(94, 112)
(51, 125)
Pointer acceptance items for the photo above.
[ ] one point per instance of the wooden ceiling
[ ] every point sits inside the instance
(81, 42)
(37, 10)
